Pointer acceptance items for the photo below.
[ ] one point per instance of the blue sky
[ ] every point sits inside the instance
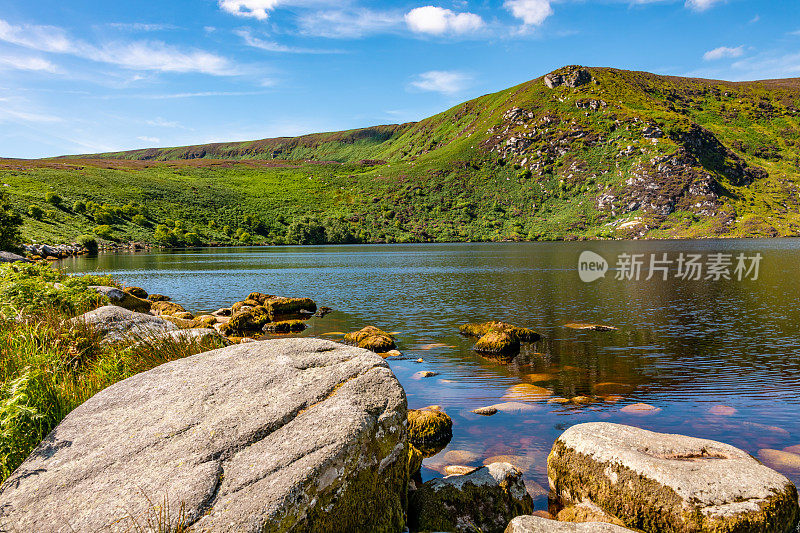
(87, 76)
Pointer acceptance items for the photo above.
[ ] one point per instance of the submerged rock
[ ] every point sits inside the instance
(590, 327)
(116, 324)
(660, 482)
(281, 435)
(483, 500)
(371, 338)
(536, 524)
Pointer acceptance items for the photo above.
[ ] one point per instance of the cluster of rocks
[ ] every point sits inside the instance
(311, 435)
(244, 320)
(37, 252)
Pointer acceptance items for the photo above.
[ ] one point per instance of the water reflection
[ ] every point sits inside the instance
(713, 359)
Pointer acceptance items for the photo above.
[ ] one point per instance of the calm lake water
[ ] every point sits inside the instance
(716, 359)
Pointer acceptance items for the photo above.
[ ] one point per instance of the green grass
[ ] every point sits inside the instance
(438, 180)
(49, 365)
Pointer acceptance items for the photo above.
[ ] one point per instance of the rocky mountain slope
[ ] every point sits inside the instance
(580, 152)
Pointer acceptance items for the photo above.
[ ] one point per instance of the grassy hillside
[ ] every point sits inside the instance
(581, 152)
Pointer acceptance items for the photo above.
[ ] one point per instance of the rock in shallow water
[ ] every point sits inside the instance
(290, 434)
(660, 482)
(484, 500)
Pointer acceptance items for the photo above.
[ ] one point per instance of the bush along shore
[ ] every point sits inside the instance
(123, 411)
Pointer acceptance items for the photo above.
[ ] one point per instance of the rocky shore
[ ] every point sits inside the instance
(305, 434)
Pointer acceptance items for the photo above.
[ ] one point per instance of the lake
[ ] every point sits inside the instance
(715, 358)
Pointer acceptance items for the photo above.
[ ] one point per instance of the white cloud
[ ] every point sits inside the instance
(437, 21)
(139, 26)
(530, 12)
(701, 5)
(272, 46)
(768, 66)
(447, 82)
(149, 139)
(162, 123)
(26, 63)
(258, 9)
(17, 116)
(350, 24)
(723, 52)
(137, 55)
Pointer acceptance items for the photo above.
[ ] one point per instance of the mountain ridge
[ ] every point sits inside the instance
(581, 152)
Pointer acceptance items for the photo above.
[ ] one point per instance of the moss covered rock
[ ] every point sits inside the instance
(484, 500)
(159, 298)
(371, 338)
(260, 298)
(479, 329)
(415, 458)
(429, 426)
(136, 291)
(122, 299)
(249, 319)
(239, 306)
(285, 326)
(204, 321)
(659, 482)
(497, 342)
(281, 308)
(164, 307)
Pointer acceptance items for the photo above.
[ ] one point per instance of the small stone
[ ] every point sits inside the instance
(590, 327)
(391, 353)
(485, 411)
(420, 360)
(424, 374)
(459, 470)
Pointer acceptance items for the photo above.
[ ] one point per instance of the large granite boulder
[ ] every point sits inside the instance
(536, 524)
(119, 325)
(8, 257)
(661, 482)
(281, 435)
(483, 500)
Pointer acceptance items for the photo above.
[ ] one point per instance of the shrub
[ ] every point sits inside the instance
(139, 220)
(10, 223)
(245, 238)
(36, 212)
(104, 231)
(53, 198)
(192, 239)
(103, 216)
(89, 242)
(79, 207)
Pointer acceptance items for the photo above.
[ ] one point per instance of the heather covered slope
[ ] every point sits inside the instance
(581, 152)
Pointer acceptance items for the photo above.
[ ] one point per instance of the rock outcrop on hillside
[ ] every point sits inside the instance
(291, 434)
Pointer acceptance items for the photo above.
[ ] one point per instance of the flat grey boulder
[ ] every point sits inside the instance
(483, 500)
(281, 435)
(536, 524)
(8, 257)
(119, 325)
(192, 335)
(662, 482)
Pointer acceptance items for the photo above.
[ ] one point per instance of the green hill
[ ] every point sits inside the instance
(581, 152)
